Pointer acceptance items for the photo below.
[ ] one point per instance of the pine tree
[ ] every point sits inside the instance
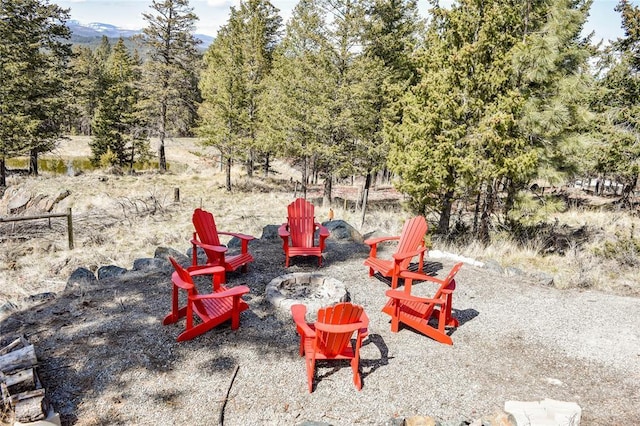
(116, 123)
(481, 117)
(296, 102)
(233, 81)
(34, 52)
(618, 104)
(170, 73)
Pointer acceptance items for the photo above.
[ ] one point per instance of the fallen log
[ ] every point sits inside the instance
(30, 406)
(18, 360)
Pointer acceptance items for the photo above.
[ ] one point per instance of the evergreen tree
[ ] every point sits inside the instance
(170, 73)
(481, 118)
(34, 52)
(87, 87)
(232, 83)
(619, 104)
(297, 101)
(323, 92)
(116, 123)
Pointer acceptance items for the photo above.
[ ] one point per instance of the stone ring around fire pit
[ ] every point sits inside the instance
(310, 289)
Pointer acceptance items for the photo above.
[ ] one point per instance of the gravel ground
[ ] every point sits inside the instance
(105, 358)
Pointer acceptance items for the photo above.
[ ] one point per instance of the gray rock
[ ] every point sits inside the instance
(494, 266)
(202, 256)
(81, 277)
(512, 271)
(150, 264)
(270, 232)
(8, 307)
(110, 271)
(18, 202)
(234, 242)
(166, 252)
(41, 297)
(341, 230)
(543, 278)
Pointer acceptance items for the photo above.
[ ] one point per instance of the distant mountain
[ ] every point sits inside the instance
(91, 34)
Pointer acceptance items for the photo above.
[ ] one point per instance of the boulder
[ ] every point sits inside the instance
(341, 230)
(270, 232)
(81, 277)
(41, 297)
(150, 264)
(110, 271)
(166, 252)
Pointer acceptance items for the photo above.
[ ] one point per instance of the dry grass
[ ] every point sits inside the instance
(118, 218)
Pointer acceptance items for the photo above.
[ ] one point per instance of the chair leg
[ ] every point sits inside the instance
(357, 380)
(311, 366)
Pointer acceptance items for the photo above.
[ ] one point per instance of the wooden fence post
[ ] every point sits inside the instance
(70, 228)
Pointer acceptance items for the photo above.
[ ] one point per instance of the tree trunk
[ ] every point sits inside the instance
(365, 196)
(511, 199)
(627, 190)
(266, 165)
(487, 211)
(304, 178)
(250, 164)
(476, 211)
(326, 193)
(445, 213)
(33, 162)
(162, 159)
(228, 174)
(3, 173)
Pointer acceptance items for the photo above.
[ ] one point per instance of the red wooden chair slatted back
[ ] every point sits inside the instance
(212, 309)
(301, 219)
(410, 244)
(412, 237)
(335, 343)
(205, 226)
(298, 233)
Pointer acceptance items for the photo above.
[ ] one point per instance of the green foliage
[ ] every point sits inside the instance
(531, 209)
(625, 249)
(169, 78)
(618, 104)
(33, 70)
(500, 93)
(117, 122)
(232, 83)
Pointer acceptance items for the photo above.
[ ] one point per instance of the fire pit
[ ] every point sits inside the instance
(310, 289)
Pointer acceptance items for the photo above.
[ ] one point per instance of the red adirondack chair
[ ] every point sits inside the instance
(206, 236)
(329, 337)
(298, 233)
(416, 312)
(213, 309)
(410, 245)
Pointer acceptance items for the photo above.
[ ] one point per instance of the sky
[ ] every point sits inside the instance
(603, 20)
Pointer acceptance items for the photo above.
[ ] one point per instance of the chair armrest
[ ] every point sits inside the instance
(219, 249)
(231, 292)
(206, 270)
(298, 312)
(420, 276)
(374, 241)
(323, 231)
(401, 295)
(237, 235)
(283, 230)
(403, 256)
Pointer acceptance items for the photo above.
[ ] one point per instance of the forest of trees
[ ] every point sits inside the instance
(464, 108)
